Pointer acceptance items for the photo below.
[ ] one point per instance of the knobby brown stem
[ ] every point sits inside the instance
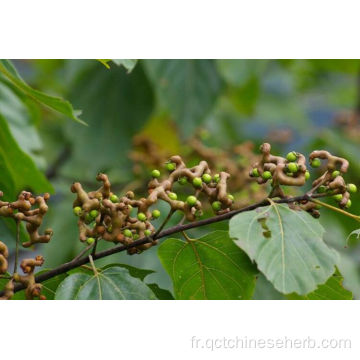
(175, 229)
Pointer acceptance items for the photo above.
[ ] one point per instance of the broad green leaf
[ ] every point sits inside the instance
(287, 246)
(187, 88)
(113, 283)
(210, 267)
(331, 290)
(128, 64)
(133, 271)
(18, 171)
(160, 293)
(116, 106)
(54, 103)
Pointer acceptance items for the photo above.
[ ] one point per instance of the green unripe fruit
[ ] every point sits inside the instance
(128, 233)
(318, 207)
(216, 205)
(191, 200)
(170, 166)
(216, 178)
(147, 232)
(231, 197)
(292, 167)
(114, 198)
(307, 175)
(337, 197)
(291, 156)
(348, 204)
(155, 173)
(172, 195)
(94, 213)
(141, 216)
(130, 207)
(136, 236)
(183, 180)
(335, 174)
(109, 229)
(315, 163)
(88, 218)
(206, 178)
(156, 214)
(90, 240)
(322, 189)
(255, 172)
(197, 182)
(266, 175)
(77, 210)
(351, 188)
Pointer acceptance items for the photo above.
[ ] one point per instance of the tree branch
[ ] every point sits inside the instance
(173, 230)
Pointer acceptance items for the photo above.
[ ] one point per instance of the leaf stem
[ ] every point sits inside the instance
(341, 211)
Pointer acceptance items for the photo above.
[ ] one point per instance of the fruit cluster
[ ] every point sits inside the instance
(292, 171)
(104, 215)
(332, 181)
(235, 161)
(30, 210)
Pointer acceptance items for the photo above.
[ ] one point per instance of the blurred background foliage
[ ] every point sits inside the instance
(140, 112)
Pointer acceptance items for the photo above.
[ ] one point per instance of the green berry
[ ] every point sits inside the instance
(216, 205)
(322, 189)
(335, 174)
(114, 198)
(293, 167)
(348, 204)
(88, 218)
(170, 166)
(231, 197)
(155, 173)
(136, 236)
(197, 182)
(156, 214)
(191, 200)
(291, 156)
(128, 233)
(183, 180)
(307, 175)
(217, 178)
(318, 207)
(141, 216)
(337, 197)
(109, 229)
(77, 210)
(206, 178)
(172, 195)
(130, 207)
(352, 188)
(255, 172)
(266, 175)
(94, 213)
(90, 240)
(315, 163)
(147, 232)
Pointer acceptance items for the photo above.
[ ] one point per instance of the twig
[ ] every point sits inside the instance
(175, 229)
(17, 246)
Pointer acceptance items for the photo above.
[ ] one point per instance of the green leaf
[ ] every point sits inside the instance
(113, 283)
(160, 293)
(18, 171)
(133, 271)
(287, 246)
(116, 106)
(187, 88)
(128, 64)
(211, 267)
(55, 103)
(331, 290)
